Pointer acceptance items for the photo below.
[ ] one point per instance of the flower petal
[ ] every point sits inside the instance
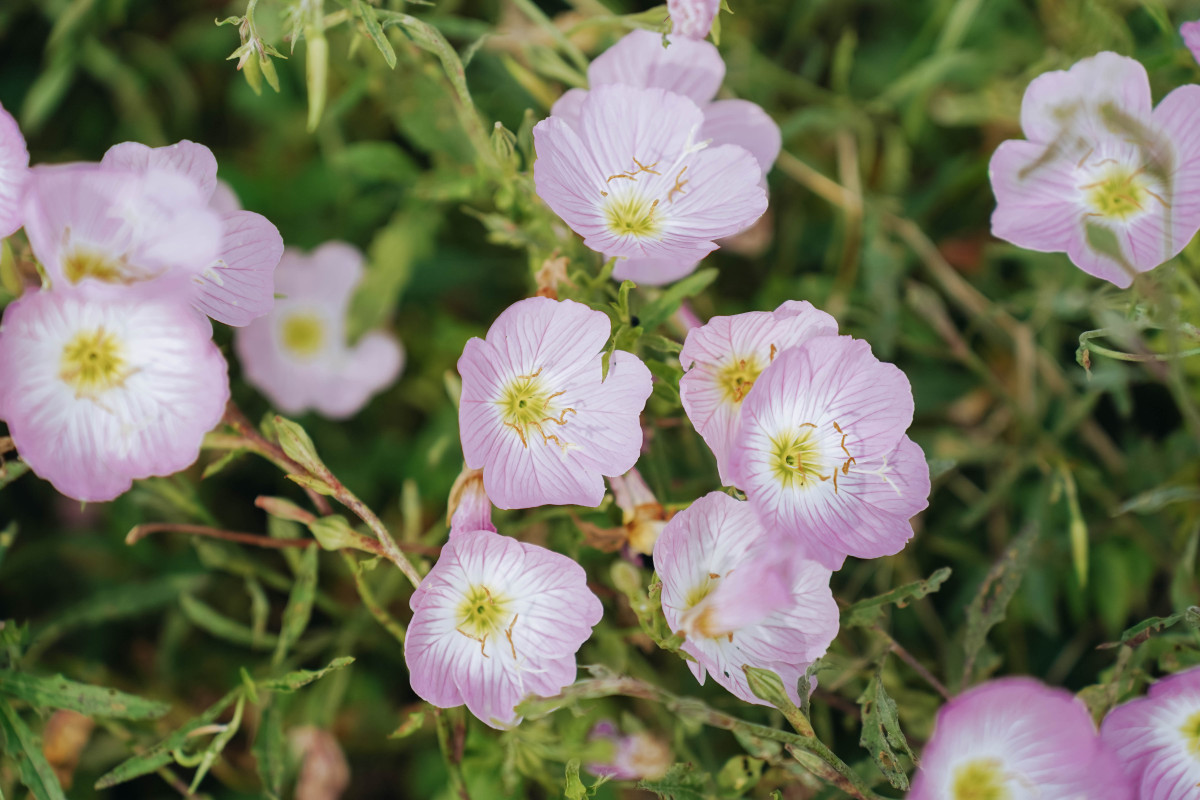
(687, 67)
(240, 286)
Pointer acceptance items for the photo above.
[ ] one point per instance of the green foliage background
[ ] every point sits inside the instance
(1066, 502)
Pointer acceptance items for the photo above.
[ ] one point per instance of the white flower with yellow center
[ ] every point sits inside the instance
(1157, 738)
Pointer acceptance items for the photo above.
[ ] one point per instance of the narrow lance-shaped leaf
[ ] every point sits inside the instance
(302, 677)
(209, 620)
(94, 701)
(299, 607)
(990, 605)
(268, 750)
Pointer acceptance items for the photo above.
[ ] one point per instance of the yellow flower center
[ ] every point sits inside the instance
(1120, 194)
(1191, 734)
(527, 406)
(93, 362)
(483, 613)
(698, 617)
(83, 262)
(737, 378)
(303, 333)
(630, 214)
(981, 779)
(794, 457)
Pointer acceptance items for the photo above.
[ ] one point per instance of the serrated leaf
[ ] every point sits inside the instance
(990, 604)
(659, 310)
(160, 754)
(302, 677)
(209, 620)
(573, 788)
(681, 782)
(299, 607)
(371, 22)
(268, 751)
(866, 613)
(93, 701)
(1141, 632)
(24, 748)
(881, 734)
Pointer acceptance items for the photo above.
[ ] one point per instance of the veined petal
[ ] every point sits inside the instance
(653, 271)
(1064, 103)
(692, 18)
(14, 173)
(240, 285)
(194, 161)
(687, 67)
(1155, 737)
(745, 124)
(1178, 117)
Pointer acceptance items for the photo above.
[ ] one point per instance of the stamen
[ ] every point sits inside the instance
(481, 639)
(611, 178)
(546, 404)
(643, 168)
(1086, 156)
(508, 633)
(531, 376)
(773, 351)
(520, 433)
(679, 184)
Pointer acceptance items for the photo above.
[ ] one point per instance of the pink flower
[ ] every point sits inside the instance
(102, 385)
(469, 509)
(635, 177)
(822, 453)
(14, 173)
(642, 516)
(494, 621)
(1157, 738)
(1190, 31)
(695, 70)
(738, 600)
(724, 358)
(635, 757)
(1016, 738)
(692, 18)
(535, 415)
(1102, 177)
(238, 285)
(298, 356)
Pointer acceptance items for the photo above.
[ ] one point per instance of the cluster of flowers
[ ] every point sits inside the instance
(1014, 737)
(807, 423)
(108, 371)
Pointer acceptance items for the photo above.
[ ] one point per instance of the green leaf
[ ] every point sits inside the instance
(881, 734)
(866, 613)
(411, 725)
(268, 751)
(299, 607)
(1141, 632)
(740, 774)
(161, 754)
(221, 463)
(370, 21)
(7, 537)
(681, 782)
(302, 677)
(574, 789)
(659, 310)
(209, 620)
(24, 748)
(11, 470)
(1158, 499)
(93, 701)
(990, 604)
(299, 447)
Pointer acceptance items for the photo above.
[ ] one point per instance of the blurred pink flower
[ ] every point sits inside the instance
(14, 173)
(494, 621)
(642, 516)
(822, 454)
(469, 508)
(636, 178)
(692, 18)
(1190, 31)
(740, 597)
(1157, 738)
(636, 756)
(238, 285)
(102, 385)
(1102, 177)
(298, 355)
(695, 70)
(723, 358)
(1017, 738)
(535, 415)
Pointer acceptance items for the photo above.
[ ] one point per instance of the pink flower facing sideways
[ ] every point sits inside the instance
(298, 356)
(739, 598)
(1103, 176)
(1157, 738)
(535, 415)
(14, 173)
(695, 70)
(692, 19)
(101, 385)
(724, 358)
(1190, 31)
(494, 621)
(1016, 739)
(822, 452)
(635, 176)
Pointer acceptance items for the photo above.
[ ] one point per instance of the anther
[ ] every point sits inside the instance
(678, 187)
(508, 633)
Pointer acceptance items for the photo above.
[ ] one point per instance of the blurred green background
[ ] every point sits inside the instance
(879, 214)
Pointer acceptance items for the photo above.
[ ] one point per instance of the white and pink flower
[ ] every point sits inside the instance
(692, 19)
(102, 385)
(298, 356)
(535, 414)
(1017, 739)
(1157, 738)
(822, 452)
(739, 598)
(1190, 31)
(14, 173)
(497, 620)
(1104, 176)
(724, 358)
